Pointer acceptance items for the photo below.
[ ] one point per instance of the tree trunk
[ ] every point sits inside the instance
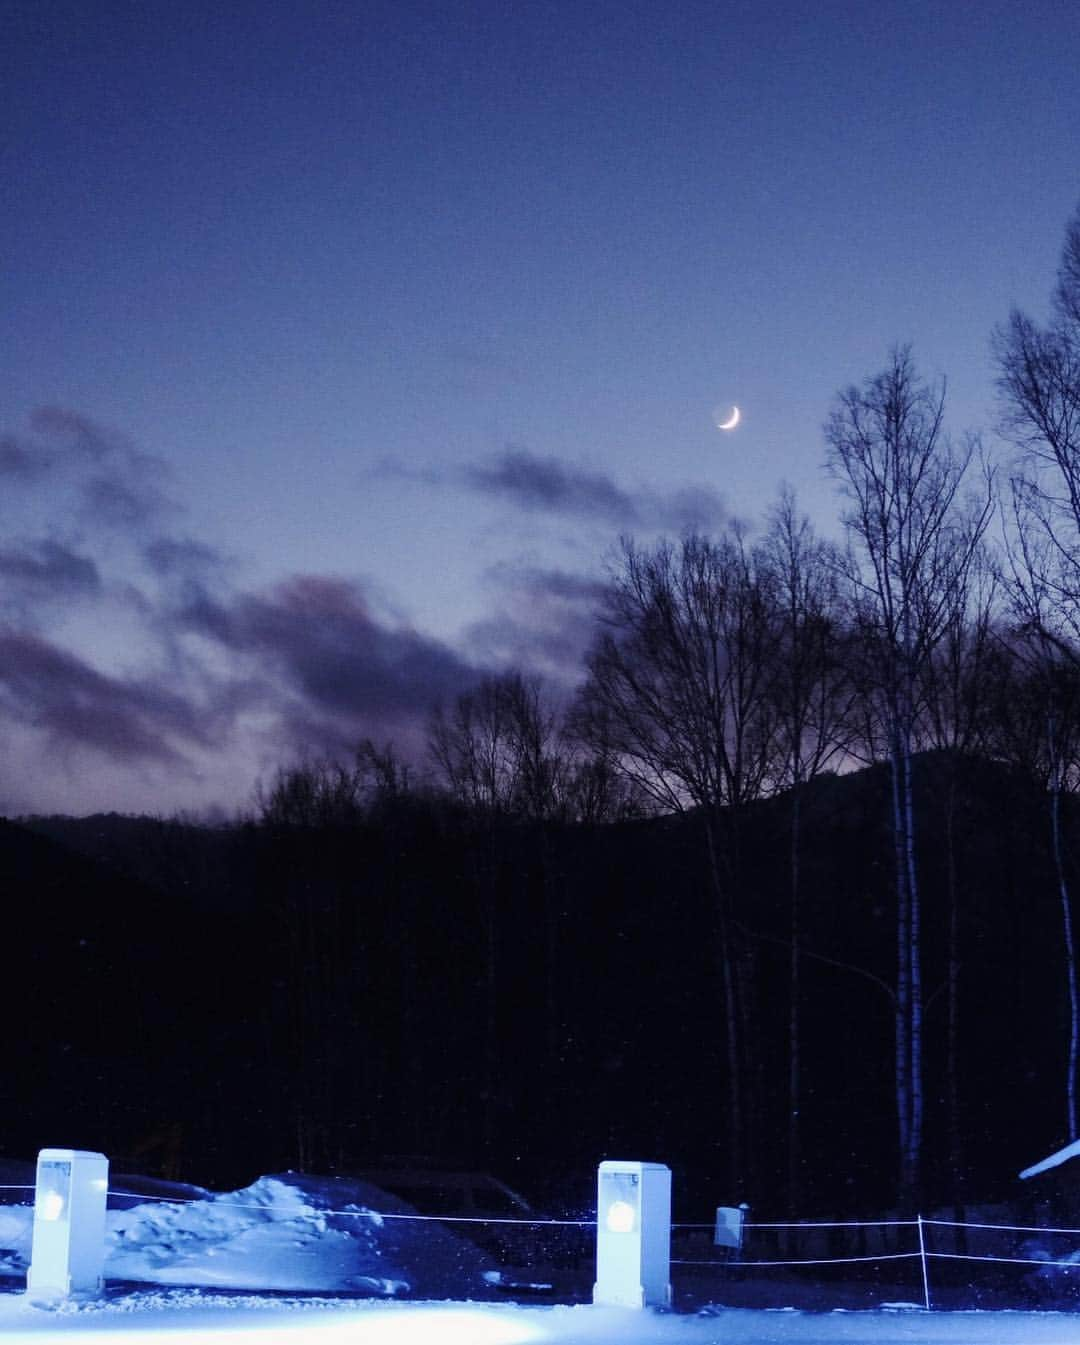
(736, 1174)
(952, 1056)
(1067, 924)
(902, 1052)
(915, 1005)
(794, 1061)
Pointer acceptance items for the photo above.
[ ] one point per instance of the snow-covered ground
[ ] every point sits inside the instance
(186, 1318)
(330, 1261)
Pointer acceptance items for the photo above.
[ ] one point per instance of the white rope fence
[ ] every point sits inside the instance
(733, 1261)
(923, 1252)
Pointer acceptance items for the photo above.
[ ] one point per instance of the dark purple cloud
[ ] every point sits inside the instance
(129, 720)
(307, 660)
(221, 674)
(21, 462)
(533, 482)
(687, 509)
(47, 569)
(317, 633)
(549, 484)
(182, 556)
(76, 431)
(118, 486)
(123, 499)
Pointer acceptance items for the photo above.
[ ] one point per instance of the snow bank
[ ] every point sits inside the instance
(285, 1232)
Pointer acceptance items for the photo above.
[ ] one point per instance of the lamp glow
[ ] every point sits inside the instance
(620, 1216)
(52, 1205)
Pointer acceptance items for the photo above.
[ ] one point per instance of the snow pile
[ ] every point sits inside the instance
(286, 1232)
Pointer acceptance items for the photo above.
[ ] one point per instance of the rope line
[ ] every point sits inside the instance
(826, 1223)
(822, 1261)
(353, 1214)
(846, 1223)
(1005, 1228)
(466, 1219)
(1006, 1260)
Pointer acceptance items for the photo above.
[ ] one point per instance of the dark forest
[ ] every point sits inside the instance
(216, 1003)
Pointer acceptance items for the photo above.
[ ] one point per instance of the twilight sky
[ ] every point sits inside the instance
(344, 339)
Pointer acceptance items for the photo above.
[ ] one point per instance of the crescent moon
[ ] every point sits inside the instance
(731, 421)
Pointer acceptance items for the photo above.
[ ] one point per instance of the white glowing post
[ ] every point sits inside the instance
(68, 1252)
(633, 1235)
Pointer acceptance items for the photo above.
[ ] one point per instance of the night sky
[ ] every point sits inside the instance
(344, 339)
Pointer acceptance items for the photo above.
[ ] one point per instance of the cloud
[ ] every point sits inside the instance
(538, 484)
(21, 462)
(688, 509)
(115, 484)
(182, 556)
(76, 706)
(161, 682)
(47, 569)
(76, 431)
(318, 635)
(122, 500)
(549, 484)
(544, 621)
(533, 482)
(307, 660)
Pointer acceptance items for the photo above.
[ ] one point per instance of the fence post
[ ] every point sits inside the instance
(922, 1260)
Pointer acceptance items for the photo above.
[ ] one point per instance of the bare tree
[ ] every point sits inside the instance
(956, 693)
(498, 749)
(1038, 720)
(910, 544)
(325, 792)
(676, 694)
(596, 788)
(811, 692)
(1039, 382)
(311, 793)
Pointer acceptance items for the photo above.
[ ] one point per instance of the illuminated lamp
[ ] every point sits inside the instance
(67, 1257)
(633, 1235)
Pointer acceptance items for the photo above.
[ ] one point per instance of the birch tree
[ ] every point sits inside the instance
(910, 542)
(1039, 382)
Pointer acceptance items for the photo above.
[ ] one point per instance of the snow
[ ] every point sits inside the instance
(296, 1259)
(285, 1232)
(188, 1318)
